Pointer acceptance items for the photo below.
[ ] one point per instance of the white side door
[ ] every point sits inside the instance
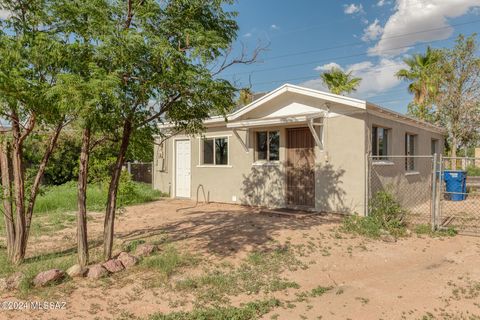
(182, 168)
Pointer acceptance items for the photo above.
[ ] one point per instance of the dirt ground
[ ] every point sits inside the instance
(419, 277)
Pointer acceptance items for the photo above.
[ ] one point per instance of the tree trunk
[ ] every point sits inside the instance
(7, 198)
(112, 191)
(38, 179)
(82, 240)
(19, 195)
(454, 153)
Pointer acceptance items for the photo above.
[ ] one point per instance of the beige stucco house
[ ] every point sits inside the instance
(293, 147)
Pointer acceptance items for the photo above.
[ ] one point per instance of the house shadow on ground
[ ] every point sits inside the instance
(225, 232)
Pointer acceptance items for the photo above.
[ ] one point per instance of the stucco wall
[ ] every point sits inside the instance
(397, 136)
(340, 176)
(162, 166)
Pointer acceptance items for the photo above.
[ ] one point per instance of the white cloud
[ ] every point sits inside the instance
(411, 16)
(316, 84)
(373, 31)
(274, 27)
(381, 3)
(376, 77)
(4, 14)
(247, 35)
(328, 67)
(352, 8)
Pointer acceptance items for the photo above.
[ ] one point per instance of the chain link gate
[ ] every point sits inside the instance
(418, 184)
(459, 208)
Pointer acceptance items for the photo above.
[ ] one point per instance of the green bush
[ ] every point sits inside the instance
(473, 171)
(100, 169)
(385, 216)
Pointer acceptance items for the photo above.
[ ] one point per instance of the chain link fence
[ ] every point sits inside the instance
(409, 179)
(441, 192)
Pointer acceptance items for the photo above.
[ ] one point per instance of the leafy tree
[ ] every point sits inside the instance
(458, 100)
(31, 59)
(340, 82)
(161, 55)
(94, 90)
(423, 75)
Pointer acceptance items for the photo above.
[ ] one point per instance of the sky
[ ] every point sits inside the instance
(369, 38)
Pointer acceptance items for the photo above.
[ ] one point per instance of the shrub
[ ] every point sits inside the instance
(473, 171)
(385, 215)
(387, 211)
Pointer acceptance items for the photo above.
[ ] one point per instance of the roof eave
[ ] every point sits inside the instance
(411, 120)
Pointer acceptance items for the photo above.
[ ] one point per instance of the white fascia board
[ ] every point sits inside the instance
(329, 97)
(267, 122)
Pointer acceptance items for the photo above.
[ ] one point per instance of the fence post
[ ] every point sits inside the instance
(438, 214)
(129, 167)
(434, 192)
(368, 169)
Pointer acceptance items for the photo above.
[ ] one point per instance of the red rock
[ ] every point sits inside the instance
(113, 265)
(96, 272)
(48, 277)
(127, 259)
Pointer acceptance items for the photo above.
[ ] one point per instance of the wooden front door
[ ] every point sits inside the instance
(300, 168)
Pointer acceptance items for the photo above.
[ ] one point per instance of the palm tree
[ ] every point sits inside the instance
(424, 82)
(339, 82)
(245, 96)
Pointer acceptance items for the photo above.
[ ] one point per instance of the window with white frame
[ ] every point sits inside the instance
(215, 151)
(268, 145)
(410, 141)
(380, 137)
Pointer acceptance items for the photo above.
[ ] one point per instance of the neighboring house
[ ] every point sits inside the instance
(294, 147)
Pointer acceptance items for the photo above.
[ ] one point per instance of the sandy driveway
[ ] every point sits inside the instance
(409, 279)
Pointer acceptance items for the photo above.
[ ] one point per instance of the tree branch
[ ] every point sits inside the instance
(28, 128)
(242, 59)
(41, 170)
(164, 108)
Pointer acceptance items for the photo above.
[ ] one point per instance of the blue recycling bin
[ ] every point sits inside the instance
(456, 184)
